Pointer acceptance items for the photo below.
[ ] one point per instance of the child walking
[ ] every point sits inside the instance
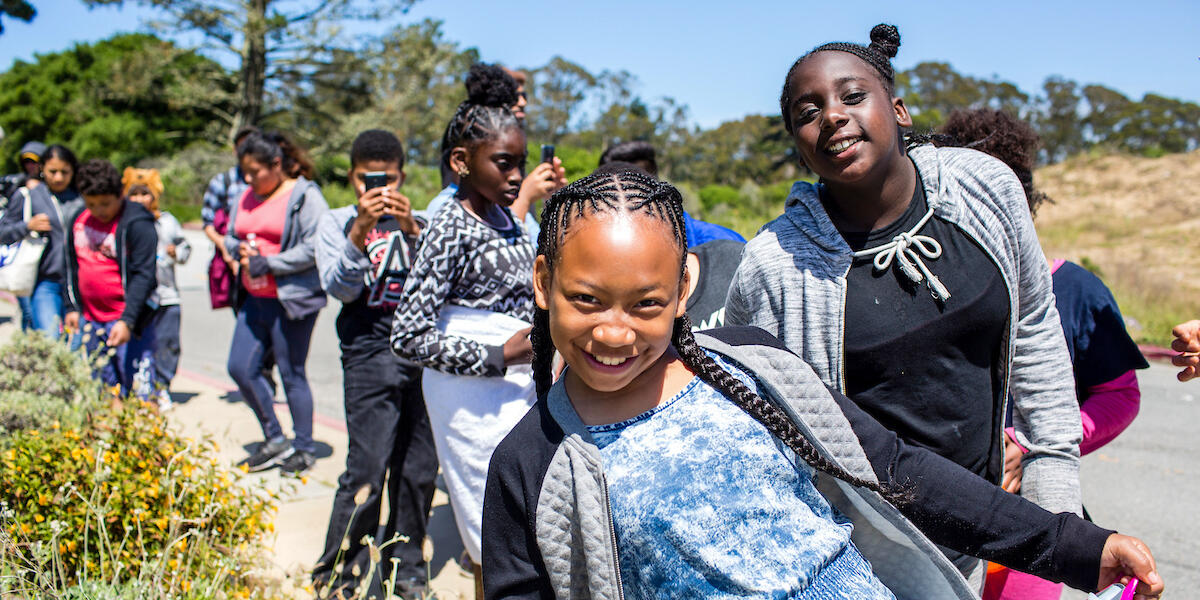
(145, 187)
(667, 465)
(467, 305)
(110, 279)
(911, 279)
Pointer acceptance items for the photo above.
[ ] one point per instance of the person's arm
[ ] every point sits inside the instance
(340, 263)
(749, 301)
(1042, 389)
(183, 248)
(302, 256)
(215, 198)
(1109, 409)
(415, 335)
(141, 245)
(512, 562)
(12, 225)
(959, 510)
(70, 287)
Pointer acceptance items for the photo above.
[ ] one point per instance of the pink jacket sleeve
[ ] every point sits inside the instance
(1110, 408)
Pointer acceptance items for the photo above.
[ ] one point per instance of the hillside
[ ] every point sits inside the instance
(1136, 223)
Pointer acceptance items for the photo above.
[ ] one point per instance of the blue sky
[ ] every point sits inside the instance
(728, 59)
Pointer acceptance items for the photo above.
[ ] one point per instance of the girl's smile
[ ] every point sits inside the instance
(613, 297)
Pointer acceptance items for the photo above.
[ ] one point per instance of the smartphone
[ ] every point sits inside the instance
(375, 179)
(548, 153)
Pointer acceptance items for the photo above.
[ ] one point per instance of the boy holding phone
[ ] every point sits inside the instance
(362, 256)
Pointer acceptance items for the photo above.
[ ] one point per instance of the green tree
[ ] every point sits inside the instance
(17, 9)
(272, 41)
(125, 98)
(558, 91)
(1058, 123)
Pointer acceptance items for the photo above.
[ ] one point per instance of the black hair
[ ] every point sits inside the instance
(1001, 135)
(885, 42)
(636, 151)
(268, 147)
(634, 192)
(98, 177)
(619, 166)
(63, 153)
(241, 134)
(376, 144)
(485, 113)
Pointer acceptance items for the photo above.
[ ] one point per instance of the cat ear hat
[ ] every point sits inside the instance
(144, 177)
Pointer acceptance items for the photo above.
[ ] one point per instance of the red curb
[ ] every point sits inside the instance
(226, 386)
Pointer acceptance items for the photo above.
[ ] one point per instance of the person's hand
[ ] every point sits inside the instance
(371, 206)
(545, 179)
(1125, 557)
(245, 250)
(1187, 344)
(71, 321)
(119, 334)
(1012, 467)
(39, 222)
(518, 350)
(171, 250)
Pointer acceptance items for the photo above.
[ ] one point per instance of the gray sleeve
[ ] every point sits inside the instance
(749, 299)
(1042, 386)
(301, 256)
(340, 264)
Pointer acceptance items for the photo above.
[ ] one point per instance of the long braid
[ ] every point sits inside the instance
(766, 413)
(634, 192)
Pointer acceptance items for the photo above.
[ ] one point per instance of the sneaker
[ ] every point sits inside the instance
(268, 455)
(297, 462)
(164, 400)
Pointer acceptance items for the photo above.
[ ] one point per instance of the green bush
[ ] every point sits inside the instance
(107, 500)
(41, 383)
(712, 196)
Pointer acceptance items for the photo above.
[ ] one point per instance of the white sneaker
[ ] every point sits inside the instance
(164, 401)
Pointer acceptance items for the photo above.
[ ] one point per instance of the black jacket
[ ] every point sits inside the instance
(137, 250)
(62, 207)
(545, 529)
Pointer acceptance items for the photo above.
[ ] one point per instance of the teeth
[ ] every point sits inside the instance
(842, 145)
(612, 362)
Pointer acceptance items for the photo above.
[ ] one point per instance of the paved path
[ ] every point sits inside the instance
(1146, 483)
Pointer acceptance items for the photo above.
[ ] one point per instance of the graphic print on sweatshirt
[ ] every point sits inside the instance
(390, 253)
(467, 263)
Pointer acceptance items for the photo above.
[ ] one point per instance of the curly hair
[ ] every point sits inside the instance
(376, 144)
(635, 151)
(98, 177)
(885, 43)
(1003, 136)
(636, 193)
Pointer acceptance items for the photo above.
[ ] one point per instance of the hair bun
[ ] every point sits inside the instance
(489, 85)
(886, 39)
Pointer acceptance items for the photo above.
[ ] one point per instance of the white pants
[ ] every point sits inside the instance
(471, 415)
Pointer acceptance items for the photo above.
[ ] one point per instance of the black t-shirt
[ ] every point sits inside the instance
(365, 325)
(1101, 349)
(718, 260)
(925, 369)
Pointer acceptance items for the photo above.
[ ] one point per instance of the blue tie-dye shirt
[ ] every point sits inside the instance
(706, 503)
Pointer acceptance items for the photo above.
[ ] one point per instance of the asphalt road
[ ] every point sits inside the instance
(1145, 483)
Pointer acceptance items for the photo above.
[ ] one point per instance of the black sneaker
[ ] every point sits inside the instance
(297, 462)
(268, 455)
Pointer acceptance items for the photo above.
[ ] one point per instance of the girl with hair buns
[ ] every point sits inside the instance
(667, 464)
(911, 279)
(467, 304)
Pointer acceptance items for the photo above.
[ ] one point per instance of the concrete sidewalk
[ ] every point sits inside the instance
(205, 406)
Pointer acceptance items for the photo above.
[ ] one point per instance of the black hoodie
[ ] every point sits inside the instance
(137, 248)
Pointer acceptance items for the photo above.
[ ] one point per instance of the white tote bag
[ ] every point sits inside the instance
(19, 260)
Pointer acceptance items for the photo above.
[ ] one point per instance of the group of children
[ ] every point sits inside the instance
(106, 276)
(895, 355)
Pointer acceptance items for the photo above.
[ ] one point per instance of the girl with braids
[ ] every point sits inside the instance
(911, 279)
(664, 464)
(466, 308)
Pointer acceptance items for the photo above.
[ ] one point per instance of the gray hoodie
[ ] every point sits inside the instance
(792, 283)
(295, 268)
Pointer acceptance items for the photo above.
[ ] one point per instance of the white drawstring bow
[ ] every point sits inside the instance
(901, 250)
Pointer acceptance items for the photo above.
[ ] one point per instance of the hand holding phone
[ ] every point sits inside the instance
(548, 153)
(374, 179)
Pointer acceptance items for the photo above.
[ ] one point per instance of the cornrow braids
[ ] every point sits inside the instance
(885, 43)
(473, 124)
(634, 192)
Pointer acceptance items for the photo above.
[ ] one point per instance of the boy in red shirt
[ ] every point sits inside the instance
(111, 248)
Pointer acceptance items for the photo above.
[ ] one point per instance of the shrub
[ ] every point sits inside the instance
(41, 382)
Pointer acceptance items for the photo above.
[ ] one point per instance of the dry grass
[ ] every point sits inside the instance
(1138, 221)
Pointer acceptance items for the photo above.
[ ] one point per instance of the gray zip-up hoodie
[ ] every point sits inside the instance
(297, 283)
(792, 283)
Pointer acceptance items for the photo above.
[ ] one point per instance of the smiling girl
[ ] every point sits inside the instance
(911, 279)
(467, 304)
(667, 465)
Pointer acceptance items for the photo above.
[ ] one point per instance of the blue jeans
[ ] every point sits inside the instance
(262, 326)
(43, 309)
(131, 367)
(166, 332)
